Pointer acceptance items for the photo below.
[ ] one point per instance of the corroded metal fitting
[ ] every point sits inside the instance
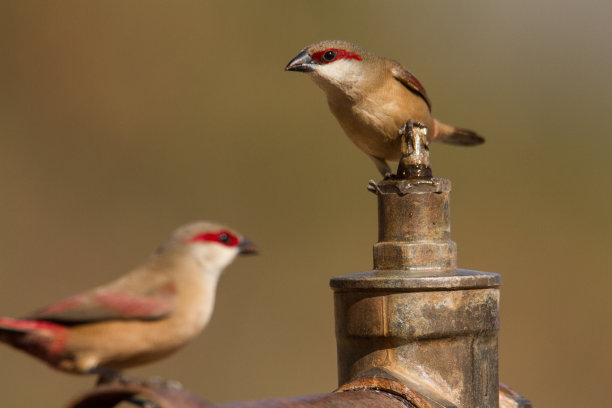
(414, 225)
(415, 317)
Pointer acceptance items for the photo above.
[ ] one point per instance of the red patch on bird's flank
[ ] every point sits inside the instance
(63, 305)
(130, 306)
(340, 54)
(59, 342)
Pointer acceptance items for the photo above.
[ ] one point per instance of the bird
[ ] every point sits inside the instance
(142, 316)
(372, 97)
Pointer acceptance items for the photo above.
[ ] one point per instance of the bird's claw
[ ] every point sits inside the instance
(118, 377)
(373, 187)
(111, 377)
(157, 381)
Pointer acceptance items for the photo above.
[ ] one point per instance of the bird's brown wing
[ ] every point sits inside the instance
(410, 81)
(101, 305)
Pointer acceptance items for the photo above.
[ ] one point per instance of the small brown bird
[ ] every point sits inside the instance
(143, 316)
(373, 97)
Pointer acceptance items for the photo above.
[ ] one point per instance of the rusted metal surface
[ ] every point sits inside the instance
(365, 398)
(416, 315)
(160, 397)
(413, 393)
(414, 225)
(148, 395)
(378, 389)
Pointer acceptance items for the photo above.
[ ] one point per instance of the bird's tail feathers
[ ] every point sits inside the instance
(14, 325)
(452, 135)
(9, 328)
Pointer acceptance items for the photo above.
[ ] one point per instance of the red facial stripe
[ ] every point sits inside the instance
(340, 54)
(223, 237)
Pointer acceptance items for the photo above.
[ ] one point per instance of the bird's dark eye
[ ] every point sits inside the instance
(329, 55)
(223, 237)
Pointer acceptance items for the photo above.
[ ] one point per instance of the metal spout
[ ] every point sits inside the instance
(414, 162)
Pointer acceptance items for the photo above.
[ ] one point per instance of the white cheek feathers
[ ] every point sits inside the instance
(214, 257)
(343, 75)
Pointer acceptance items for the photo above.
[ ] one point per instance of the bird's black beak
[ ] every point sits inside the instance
(301, 63)
(246, 247)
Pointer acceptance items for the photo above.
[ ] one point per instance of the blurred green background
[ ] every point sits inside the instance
(120, 120)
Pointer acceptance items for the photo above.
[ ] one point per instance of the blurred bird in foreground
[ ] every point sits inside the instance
(373, 97)
(143, 316)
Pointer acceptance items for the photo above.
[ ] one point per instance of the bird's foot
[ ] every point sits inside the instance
(156, 381)
(117, 377)
(111, 377)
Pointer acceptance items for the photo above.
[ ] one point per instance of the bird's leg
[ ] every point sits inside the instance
(110, 376)
(382, 167)
(414, 162)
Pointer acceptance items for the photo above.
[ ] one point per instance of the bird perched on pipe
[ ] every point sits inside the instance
(373, 97)
(143, 316)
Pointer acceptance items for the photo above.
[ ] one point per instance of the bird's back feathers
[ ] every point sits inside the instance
(410, 81)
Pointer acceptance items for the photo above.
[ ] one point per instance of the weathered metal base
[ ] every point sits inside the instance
(438, 329)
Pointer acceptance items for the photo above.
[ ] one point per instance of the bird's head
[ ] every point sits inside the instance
(212, 245)
(334, 65)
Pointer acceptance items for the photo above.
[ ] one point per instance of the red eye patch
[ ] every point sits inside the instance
(223, 237)
(321, 58)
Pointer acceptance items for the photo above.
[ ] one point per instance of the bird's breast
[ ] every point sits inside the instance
(372, 122)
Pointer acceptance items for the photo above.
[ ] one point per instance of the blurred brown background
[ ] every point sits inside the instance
(120, 120)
